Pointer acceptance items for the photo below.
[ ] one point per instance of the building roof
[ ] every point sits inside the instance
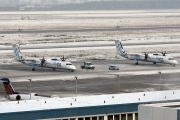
(172, 105)
(87, 101)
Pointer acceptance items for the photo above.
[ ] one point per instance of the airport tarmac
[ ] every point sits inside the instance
(130, 78)
(73, 36)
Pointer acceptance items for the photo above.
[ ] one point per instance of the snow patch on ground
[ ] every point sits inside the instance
(86, 20)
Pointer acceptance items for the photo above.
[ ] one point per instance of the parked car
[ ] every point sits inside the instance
(113, 67)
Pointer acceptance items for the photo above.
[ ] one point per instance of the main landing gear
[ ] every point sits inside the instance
(33, 69)
(137, 63)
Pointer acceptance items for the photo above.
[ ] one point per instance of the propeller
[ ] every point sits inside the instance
(63, 58)
(146, 56)
(43, 61)
(164, 53)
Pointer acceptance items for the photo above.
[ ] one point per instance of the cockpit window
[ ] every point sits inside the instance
(171, 59)
(89, 63)
(112, 66)
(35, 94)
(68, 64)
(155, 54)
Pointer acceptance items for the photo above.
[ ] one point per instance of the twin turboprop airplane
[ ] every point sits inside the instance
(12, 95)
(47, 63)
(155, 58)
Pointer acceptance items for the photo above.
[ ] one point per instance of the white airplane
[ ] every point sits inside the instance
(155, 58)
(47, 63)
(12, 95)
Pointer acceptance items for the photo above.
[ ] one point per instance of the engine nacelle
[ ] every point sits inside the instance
(15, 97)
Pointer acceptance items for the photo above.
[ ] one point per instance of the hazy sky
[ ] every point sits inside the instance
(9, 5)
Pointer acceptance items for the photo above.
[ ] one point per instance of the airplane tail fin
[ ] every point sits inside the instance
(17, 53)
(8, 87)
(119, 48)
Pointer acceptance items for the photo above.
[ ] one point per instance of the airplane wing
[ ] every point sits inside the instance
(136, 56)
(31, 62)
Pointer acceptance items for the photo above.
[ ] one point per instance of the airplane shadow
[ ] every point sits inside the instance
(29, 69)
(151, 64)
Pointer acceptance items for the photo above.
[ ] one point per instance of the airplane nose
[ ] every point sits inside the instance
(73, 67)
(176, 62)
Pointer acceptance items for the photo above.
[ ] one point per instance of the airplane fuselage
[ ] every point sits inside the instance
(50, 63)
(57, 64)
(32, 96)
(155, 58)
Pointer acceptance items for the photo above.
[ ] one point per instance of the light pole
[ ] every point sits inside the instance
(30, 87)
(119, 82)
(19, 30)
(76, 84)
(19, 36)
(159, 80)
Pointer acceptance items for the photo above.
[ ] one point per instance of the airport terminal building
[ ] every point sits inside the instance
(99, 107)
